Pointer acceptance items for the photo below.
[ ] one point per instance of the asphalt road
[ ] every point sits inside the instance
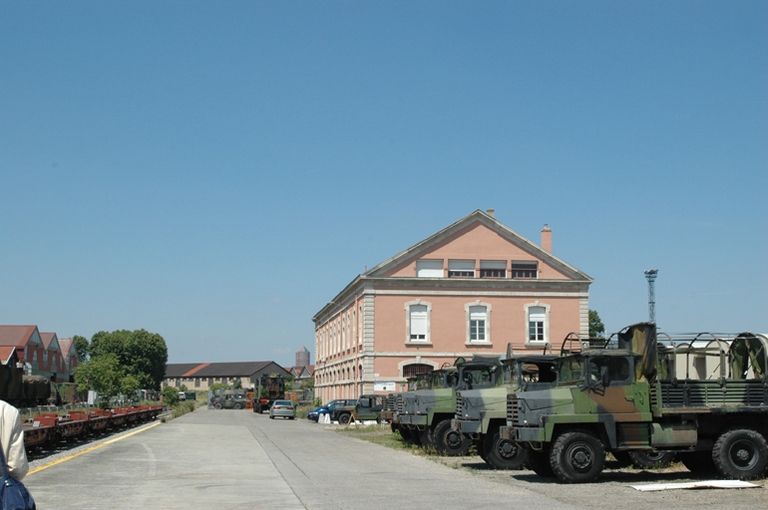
(239, 459)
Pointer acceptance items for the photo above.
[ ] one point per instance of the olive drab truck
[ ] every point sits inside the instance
(426, 414)
(480, 413)
(270, 388)
(702, 397)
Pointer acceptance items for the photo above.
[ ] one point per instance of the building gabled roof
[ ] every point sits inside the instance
(475, 218)
(66, 344)
(493, 224)
(224, 369)
(7, 353)
(16, 336)
(50, 341)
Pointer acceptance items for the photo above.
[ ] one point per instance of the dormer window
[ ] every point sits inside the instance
(429, 268)
(493, 269)
(461, 269)
(525, 270)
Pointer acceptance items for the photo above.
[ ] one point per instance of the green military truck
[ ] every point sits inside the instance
(426, 414)
(366, 407)
(704, 398)
(480, 413)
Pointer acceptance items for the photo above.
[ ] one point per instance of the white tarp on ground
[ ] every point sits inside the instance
(705, 484)
(325, 418)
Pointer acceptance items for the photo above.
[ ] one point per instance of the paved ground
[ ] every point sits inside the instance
(239, 459)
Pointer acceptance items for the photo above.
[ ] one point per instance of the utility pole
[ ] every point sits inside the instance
(650, 275)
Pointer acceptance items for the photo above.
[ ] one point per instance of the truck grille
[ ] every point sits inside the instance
(459, 406)
(400, 404)
(390, 403)
(511, 409)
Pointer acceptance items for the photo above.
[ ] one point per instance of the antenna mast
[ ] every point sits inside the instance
(650, 275)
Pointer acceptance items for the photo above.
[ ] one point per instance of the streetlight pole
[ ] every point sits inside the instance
(650, 275)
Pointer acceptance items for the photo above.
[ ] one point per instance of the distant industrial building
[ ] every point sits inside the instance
(201, 376)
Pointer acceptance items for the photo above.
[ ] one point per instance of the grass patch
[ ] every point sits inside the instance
(383, 435)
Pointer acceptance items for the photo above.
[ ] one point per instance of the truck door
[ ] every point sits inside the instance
(611, 388)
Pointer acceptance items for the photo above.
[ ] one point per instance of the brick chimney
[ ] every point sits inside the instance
(546, 238)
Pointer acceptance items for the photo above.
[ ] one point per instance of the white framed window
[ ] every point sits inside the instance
(417, 321)
(537, 324)
(461, 269)
(493, 269)
(478, 323)
(429, 268)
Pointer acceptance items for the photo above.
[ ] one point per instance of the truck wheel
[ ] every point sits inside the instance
(450, 442)
(405, 432)
(480, 447)
(344, 419)
(698, 462)
(415, 435)
(741, 454)
(426, 438)
(538, 462)
(577, 457)
(503, 453)
(622, 458)
(217, 406)
(236, 406)
(651, 460)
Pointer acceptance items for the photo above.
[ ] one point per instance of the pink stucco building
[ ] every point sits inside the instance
(471, 288)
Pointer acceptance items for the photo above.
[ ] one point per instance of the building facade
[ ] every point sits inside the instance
(472, 288)
(201, 376)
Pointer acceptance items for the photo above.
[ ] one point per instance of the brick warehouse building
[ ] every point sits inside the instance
(469, 289)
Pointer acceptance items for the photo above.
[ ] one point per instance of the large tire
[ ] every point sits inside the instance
(405, 433)
(740, 454)
(651, 460)
(217, 406)
(344, 418)
(577, 457)
(503, 453)
(450, 442)
(236, 406)
(622, 458)
(426, 438)
(538, 462)
(415, 435)
(700, 463)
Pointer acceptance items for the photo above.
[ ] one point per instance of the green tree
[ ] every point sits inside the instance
(81, 347)
(128, 384)
(143, 354)
(102, 374)
(170, 395)
(596, 327)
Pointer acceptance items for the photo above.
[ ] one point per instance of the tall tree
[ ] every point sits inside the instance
(596, 327)
(142, 354)
(81, 347)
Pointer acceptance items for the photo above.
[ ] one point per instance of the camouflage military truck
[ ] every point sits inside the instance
(227, 399)
(480, 413)
(366, 407)
(702, 397)
(427, 414)
(270, 388)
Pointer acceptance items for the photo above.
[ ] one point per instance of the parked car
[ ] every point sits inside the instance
(283, 409)
(315, 414)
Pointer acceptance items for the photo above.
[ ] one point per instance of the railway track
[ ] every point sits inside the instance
(49, 431)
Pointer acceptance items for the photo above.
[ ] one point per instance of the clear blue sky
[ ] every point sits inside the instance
(216, 172)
